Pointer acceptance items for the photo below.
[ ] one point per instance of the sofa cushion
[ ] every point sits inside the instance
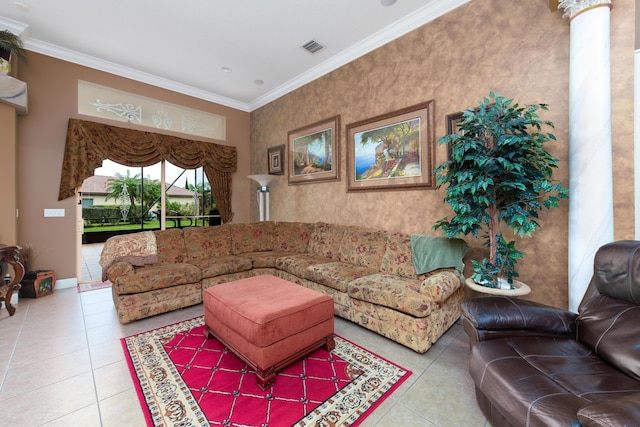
(216, 266)
(265, 259)
(298, 264)
(336, 274)
(620, 411)
(363, 247)
(326, 239)
(388, 290)
(252, 237)
(136, 306)
(171, 249)
(397, 258)
(609, 327)
(293, 236)
(156, 277)
(206, 242)
(616, 270)
(544, 380)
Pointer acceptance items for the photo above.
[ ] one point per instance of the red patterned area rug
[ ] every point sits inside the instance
(183, 379)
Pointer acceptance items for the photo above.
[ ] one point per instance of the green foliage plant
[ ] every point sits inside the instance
(498, 172)
(11, 43)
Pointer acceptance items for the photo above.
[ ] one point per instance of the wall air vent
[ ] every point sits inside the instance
(312, 46)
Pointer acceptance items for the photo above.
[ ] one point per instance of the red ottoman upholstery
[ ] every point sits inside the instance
(268, 322)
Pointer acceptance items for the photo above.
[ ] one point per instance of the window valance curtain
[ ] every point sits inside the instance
(89, 143)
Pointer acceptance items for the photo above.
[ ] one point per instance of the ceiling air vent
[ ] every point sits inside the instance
(312, 46)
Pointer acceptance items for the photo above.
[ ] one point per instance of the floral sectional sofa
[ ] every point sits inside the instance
(369, 273)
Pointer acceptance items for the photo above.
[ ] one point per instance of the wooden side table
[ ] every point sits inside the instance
(10, 255)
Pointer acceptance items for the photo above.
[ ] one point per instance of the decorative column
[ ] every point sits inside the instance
(590, 164)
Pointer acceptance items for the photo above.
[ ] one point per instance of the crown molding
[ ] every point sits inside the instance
(58, 52)
(420, 17)
(417, 19)
(18, 28)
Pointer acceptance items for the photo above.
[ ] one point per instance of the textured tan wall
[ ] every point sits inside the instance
(53, 98)
(519, 49)
(8, 223)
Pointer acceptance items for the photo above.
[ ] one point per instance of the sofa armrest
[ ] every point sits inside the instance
(504, 313)
(441, 285)
(117, 269)
(621, 411)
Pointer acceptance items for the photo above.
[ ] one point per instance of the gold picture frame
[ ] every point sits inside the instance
(314, 152)
(393, 151)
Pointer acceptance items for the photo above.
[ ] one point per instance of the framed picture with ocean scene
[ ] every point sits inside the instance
(393, 151)
(313, 152)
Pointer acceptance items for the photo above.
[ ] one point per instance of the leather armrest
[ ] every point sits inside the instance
(502, 313)
(621, 411)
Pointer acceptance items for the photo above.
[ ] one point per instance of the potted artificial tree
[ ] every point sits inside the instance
(499, 175)
(10, 45)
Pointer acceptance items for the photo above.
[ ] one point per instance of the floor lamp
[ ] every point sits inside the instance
(263, 194)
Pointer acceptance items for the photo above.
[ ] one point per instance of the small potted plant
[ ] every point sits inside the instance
(10, 45)
(498, 174)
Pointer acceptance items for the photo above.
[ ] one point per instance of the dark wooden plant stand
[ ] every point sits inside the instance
(10, 255)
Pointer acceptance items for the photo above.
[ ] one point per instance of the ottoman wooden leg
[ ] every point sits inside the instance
(330, 344)
(265, 378)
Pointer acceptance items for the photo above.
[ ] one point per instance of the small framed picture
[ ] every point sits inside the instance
(275, 158)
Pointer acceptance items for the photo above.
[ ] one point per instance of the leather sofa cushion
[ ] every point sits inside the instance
(207, 242)
(505, 313)
(158, 276)
(621, 411)
(544, 380)
(609, 327)
(617, 270)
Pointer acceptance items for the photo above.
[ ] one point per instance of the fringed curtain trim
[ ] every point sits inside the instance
(89, 144)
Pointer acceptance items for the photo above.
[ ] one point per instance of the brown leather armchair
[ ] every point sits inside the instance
(535, 365)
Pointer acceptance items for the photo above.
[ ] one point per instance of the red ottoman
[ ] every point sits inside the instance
(268, 322)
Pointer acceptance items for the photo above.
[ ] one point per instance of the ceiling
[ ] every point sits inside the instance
(238, 53)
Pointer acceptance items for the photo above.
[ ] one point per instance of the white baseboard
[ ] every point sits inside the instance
(60, 284)
(66, 283)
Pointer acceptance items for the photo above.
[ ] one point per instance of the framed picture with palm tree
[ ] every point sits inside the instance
(392, 151)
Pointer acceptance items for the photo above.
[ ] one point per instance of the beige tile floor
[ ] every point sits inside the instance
(61, 364)
(91, 270)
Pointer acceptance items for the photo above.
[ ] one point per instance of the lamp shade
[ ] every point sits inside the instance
(263, 180)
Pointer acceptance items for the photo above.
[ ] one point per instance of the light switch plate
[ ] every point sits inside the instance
(53, 212)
